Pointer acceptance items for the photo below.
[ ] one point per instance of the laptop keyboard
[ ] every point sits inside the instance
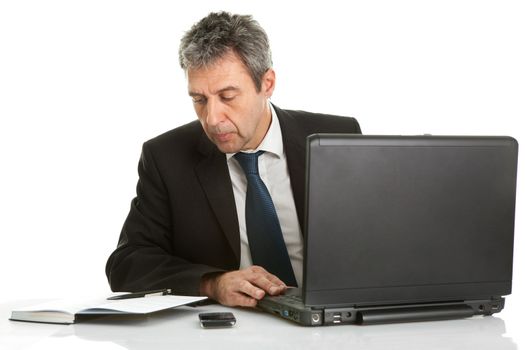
(291, 299)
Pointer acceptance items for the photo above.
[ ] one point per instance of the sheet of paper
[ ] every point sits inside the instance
(142, 305)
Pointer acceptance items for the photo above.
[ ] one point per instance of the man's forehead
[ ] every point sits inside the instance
(212, 84)
(224, 74)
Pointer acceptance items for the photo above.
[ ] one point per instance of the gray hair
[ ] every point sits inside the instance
(221, 32)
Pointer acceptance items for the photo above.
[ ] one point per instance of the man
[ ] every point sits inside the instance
(198, 220)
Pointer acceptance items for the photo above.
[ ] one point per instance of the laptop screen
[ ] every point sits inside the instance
(408, 219)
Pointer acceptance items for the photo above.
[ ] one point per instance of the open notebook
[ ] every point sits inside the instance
(67, 311)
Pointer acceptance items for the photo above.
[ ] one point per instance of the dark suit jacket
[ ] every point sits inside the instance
(183, 222)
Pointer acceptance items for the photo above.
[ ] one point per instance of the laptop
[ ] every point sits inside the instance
(404, 228)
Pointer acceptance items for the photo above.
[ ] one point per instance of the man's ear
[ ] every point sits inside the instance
(268, 83)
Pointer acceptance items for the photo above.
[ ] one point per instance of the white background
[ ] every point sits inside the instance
(84, 83)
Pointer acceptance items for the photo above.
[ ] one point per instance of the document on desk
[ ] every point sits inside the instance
(66, 311)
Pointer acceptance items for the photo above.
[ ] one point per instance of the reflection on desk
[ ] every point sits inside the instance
(179, 328)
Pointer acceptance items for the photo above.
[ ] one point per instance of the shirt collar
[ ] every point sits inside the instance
(272, 141)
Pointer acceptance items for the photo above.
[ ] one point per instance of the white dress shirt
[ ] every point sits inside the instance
(273, 170)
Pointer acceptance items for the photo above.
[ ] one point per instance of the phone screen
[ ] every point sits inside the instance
(217, 319)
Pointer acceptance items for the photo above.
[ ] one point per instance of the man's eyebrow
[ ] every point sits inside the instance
(228, 88)
(224, 89)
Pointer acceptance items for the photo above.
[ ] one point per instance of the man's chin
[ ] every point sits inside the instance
(227, 147)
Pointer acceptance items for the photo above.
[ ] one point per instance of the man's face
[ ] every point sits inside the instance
(233, 114)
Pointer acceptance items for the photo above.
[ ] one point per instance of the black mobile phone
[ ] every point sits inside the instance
(217, 319)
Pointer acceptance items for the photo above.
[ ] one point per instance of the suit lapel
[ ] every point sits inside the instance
(212, 172)
(294, 142)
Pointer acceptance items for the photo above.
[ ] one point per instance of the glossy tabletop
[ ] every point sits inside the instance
(180, 329)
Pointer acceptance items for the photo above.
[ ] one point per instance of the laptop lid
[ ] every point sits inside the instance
(408, 219)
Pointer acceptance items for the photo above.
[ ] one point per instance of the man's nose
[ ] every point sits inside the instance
(214, 112)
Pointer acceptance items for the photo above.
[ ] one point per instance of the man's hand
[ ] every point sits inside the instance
(242, 287)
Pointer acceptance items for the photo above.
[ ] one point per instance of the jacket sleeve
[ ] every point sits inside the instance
(144, 258)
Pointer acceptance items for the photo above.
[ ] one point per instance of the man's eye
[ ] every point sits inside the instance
(227, 98)
(199, 100)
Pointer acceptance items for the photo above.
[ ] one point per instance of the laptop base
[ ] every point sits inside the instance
(297, 312)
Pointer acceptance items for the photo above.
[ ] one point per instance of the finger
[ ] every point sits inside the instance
(237, 299)
(265, 284)
(257, 271)
(276, 281)
(243, 300)
(274, 285)
(249, 289)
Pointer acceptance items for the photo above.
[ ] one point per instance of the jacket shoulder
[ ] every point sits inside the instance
(185, 136)
(320, 122)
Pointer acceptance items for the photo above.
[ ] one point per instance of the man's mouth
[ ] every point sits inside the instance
(224, 137)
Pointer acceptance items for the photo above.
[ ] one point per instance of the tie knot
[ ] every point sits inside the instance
(249, 162)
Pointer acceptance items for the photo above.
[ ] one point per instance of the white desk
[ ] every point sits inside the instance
(180, 329)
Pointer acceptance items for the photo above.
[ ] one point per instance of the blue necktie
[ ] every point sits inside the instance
(262, 224)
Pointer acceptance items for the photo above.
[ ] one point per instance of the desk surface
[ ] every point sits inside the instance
(179, 329)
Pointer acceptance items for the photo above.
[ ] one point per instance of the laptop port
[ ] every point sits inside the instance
(336, 317)
(316, 318)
